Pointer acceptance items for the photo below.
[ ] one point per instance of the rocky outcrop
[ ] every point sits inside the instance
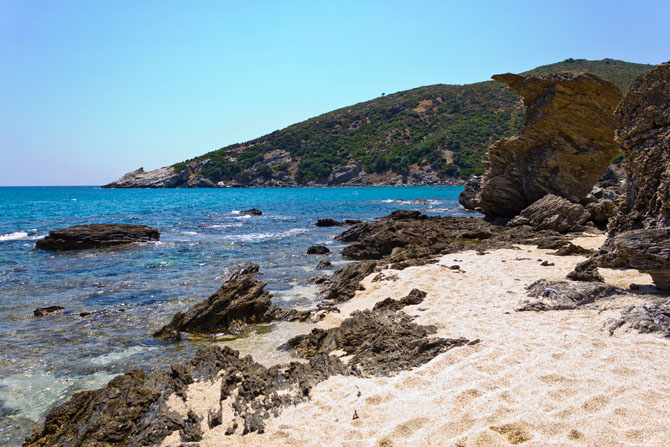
(346, 175)
(241, 300)
(644, 250)
(318, 250)
(80, 237)
(561, 295)
(553, 213)
(566, 146)
(328, 223)
(469, 197)
(643, 118)
(648, 318)
(345, 282)
(167, 177)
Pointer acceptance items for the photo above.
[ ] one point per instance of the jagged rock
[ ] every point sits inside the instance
(324, 264)
(42, 311)
(241, 300)
(252, 212)
(552, 213)
(318, 250)
(567, 144)
(166, 177)
(648, 318)
(601, 211)
(380, 342)
(644, 250)
(415, 296)
(561, 295)
(328, 223)
(81, 237)
(586, 271)
(345, 282)
(469, 197)
(644, 133)
(345, 174)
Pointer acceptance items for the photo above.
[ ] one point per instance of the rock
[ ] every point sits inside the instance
(643, 118)
(328, 223)
(552, 213)
(414, 297)
(42, 311)
(240, 301)
(586, 271)
(561, 295)
(351, 221)
(318, 250)
(469, 197)
(167, 177)
(81, 237)
(601, 211)
(345, 174)
(648, 318)
(345, 282)
(324, 264)
(252, 212)
(645, 250)
(379, 342)
(569, 126)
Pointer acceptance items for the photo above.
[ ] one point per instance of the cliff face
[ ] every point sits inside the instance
(644, 132)
(567, 144)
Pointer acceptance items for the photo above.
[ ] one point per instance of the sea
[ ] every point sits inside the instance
(127, 293)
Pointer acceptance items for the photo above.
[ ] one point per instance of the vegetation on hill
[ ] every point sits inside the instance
(441, 128)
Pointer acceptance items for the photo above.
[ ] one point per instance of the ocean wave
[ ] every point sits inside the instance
(413, 201)
(19, 236)
(215, 226)
(259, 237)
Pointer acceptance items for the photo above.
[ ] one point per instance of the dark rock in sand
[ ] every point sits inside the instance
(586, 271)
(469, 197)
(82, 237)
(381, 341)
(345, 282)
(42, 311)
(648, 318)
(252, 212)
(240, 301)
(318, 250)
(643, 119)
(567, 144)
(328, 223)
(552, 213)
(644, 250)
(324, 264)
(561, 295)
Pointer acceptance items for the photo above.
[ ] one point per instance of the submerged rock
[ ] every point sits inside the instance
(81, 237)
(328, 223)
(42, 311)
(252, 212)
(552, 213)
(643, 119)
(318, 250)
(567, 144)
(324, 264)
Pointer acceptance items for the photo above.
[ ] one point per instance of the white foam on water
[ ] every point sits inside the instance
(258, 237)
(115, 356)
(15, 236)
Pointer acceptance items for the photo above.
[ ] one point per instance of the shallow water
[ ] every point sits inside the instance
(132, 292)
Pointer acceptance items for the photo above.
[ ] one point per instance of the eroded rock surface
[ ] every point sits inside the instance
(345, 282)
(469, 197)
(80, 237)
(567, 144)
(643, 119)
(561, 295)
(553, 213)
(648, 318)
(241, 300)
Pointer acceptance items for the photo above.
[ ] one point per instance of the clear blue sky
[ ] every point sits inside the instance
(92, 89)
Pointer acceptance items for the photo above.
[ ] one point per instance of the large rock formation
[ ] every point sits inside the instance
(241, 300)
(566, 146)
(644, 132)
(81, 237)
(469, 197)
(167, 177)
(553, 213)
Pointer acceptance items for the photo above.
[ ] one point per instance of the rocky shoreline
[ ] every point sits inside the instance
(436, 305)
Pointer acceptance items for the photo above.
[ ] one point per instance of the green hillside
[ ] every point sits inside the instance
(443, 129)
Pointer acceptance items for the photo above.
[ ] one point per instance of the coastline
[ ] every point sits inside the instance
(537, 378)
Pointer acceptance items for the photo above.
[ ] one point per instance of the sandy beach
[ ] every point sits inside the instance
(553, 378)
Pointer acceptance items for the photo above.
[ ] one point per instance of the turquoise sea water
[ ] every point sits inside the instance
(132, 292)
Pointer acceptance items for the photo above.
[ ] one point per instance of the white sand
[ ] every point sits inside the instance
(535, 379)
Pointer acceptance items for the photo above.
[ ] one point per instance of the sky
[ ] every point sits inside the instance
(90, 90)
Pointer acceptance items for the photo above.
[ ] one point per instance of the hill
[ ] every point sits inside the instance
(436, 134)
